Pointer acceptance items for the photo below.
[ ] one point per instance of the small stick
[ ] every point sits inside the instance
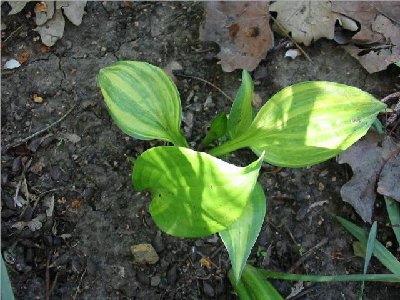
(79, 285)
(205, 81)
(391, 96)
(42, 130)
(53, 285)
(48, 278)
(307, 255)
(12, 34)
(290, 38)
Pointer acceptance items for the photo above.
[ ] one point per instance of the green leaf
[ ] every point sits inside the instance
(331, 278)
(380, 252)
(217, 129)
(241, 114)
(143, 101)
(194, 194)
(308, 123)
(240, 237)
(258, 286)
(6, 288)
(368, 253)
(393, 209)
(239, 287)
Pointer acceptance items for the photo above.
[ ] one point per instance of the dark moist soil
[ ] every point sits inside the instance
(82, 251)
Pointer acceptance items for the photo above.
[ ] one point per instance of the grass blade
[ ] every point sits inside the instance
(331, 278)
(368, 253)
(259, 286)
(393, 209)
(239, 287)
(6, 288)
(380, 252)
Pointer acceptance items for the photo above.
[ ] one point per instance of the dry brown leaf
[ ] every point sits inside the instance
(76, 203)
(242, 31)
(379, 28)
(206, 262)
(23, 57)
(41, 7)
(371, 163)
(309, 21)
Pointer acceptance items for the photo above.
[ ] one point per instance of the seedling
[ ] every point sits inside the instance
(195, 194)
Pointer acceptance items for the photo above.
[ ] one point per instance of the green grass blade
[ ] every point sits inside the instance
(6, 288)
(259, 286)
(239, 287)
(393, 209)
(331, 278)
(380, 252)
(368, 253)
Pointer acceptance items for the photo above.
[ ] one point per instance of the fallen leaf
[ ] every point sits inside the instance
(379, 165)
(205, 262)
(76, 203)
(377, 44)
(12, 64)
(52, 30)
(309, 21)
(71, 137)
(16, 6)
(44, 49)
(242, 31)
(23, 57)
(74, 11)
(44, 11)
(37, 99)
(41, 7)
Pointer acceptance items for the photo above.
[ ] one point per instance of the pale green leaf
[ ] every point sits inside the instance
(194, 194)
(6, 288)
(241, 114)
(143, 101)
(217, 129)
(380, 252)
(307, 123)
(240, 237)
(368, 252)
(393, 209)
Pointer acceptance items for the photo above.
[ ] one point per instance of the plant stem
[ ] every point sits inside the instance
(180, 140)
(226, 148)
(327, 278)
(239, 287)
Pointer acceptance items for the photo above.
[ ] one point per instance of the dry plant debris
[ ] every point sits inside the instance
(378, 165)
(242, 31)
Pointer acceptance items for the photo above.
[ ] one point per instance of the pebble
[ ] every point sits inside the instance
(144, 254)
(17, 165)
(27, 214)
(158, 242)
(172, 275)
(8, 201)
(208, 290)
(55, 173)
(142, 278)
(155, 280)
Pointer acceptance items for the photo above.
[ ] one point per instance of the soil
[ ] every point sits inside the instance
(82, 251)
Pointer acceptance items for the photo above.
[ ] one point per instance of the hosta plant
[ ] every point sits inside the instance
(195, 194)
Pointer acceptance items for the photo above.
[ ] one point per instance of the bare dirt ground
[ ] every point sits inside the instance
(82, 251)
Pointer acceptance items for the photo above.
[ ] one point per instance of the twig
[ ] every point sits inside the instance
(391, 96)
(79, 285)
(48, 277)
(53, 285)
(307, 255)
(24, 140)
(205, 81)
(290, 38)
(12, 34)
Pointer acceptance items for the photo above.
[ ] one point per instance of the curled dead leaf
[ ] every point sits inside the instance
(41, 7)
(37, 99)
(76, 203)
(23, 57)
(242, 31)
(206, 262)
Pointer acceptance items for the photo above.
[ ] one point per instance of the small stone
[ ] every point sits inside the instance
(321, 186)
(158, 242)
(17, 164)
(144, 254)
(155, 280)
(172, 275)
(208, 290)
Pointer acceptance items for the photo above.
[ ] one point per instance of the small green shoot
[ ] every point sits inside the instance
(217, 129)
(368, 253)
(380, 251)
(393, 209)
(6, 288)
